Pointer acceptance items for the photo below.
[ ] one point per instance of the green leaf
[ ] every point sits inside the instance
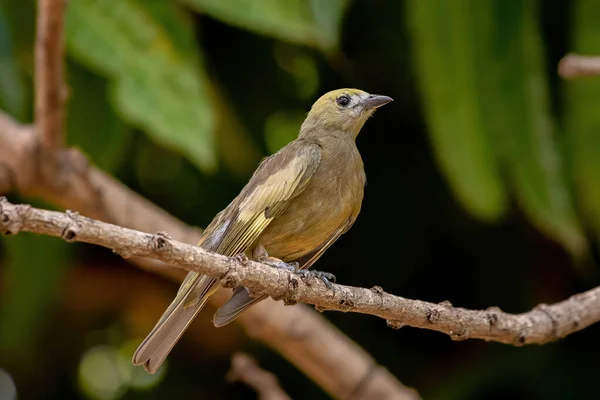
(328, 16)
(446, 37)
(486, 98)
(92, 123)
(525, 132)
(311, 22)
(582, 118)
(35, 267)
(158, 83)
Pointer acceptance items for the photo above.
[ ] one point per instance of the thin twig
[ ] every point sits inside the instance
(49, 73)
(245, 369)
(541, 325)
(575, 66)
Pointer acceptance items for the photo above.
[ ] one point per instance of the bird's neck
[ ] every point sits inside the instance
(314, 130)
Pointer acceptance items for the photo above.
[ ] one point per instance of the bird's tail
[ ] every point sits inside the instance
(240, 301)
(191, 297)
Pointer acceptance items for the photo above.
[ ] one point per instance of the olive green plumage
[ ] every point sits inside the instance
(297, 203)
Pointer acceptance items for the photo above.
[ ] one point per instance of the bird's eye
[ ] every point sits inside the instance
(343, 100)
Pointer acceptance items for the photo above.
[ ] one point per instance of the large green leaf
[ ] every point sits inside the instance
(147, 50)
(92, 124)
(35, 267)
(486, 99)
(446, 38)
(311, 22)
(582, 103)
(525, 132)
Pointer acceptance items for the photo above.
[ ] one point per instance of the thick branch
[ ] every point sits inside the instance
(49, 73)
(574, 66)
(246, 370)
(541, 325)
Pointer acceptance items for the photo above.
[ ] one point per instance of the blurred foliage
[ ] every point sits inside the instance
(582, 120)
(106, 372)
(90, 116)
(448, 39)
(34, 269)
(148, 51)
(12, 92)
(524, 127)
(312, 22)
(482, 180)
(485, 91)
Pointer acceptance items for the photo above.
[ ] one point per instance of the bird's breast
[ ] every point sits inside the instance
(333, 196)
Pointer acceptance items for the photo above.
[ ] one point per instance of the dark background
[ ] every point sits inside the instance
(71, 315)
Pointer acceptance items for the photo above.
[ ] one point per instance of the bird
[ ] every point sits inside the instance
(297, 203)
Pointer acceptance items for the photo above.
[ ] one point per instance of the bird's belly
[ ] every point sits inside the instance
(308, 223)
(293, 236)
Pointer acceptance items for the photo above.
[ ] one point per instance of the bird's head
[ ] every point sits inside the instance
(343, 110)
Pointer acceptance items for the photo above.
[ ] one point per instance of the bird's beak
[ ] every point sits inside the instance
(376, 101)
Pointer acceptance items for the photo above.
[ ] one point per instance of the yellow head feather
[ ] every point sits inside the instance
(344, 110)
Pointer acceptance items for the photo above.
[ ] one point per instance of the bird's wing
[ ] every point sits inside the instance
(277, 181)
(241, 300)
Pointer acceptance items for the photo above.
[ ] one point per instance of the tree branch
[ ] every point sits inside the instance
(575, 66)
(245, 369)
(49, 73)
(541, 325)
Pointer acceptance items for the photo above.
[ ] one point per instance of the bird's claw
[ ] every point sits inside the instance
(327, 278)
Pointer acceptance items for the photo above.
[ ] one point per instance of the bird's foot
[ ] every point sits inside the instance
(294, 267)
(327, 278)
(277, 263)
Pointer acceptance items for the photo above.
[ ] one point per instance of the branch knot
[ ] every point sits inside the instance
(229, 281)
(394, 324)
(72, 228)
(160, 242)
(346, 302)
(378, 290)
(459, 336)
(241, 259)
(493, 315)
(12, 218)
(433, 315)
